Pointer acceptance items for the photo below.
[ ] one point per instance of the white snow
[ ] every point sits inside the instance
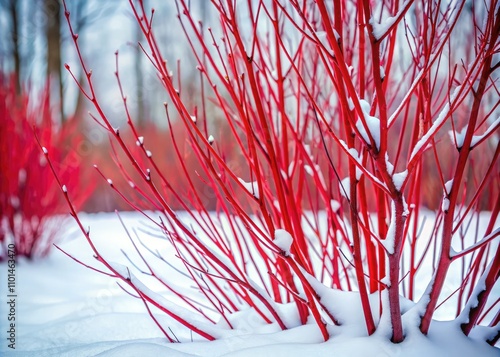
(372, 123)
(335, 205)
(45, 151)
(350, 103)
(283, 240)
(64, 188)
(458, 137)
(211, 139)
(447, 186)
(110, 181)
(148, 153)
(359, 158)
(389, 241)
(345, 187)
(445, 204)
(323, 39)
(388, 164)
(477, 138)
(437, 123)
(252, 187)
(399, 178)
(380, 29)
(140, 141)
(65, 309)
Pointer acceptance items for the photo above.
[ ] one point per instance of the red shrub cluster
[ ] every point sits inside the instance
(29, 198)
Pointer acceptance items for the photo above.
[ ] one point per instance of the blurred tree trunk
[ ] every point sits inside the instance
(52, 10)
(139, 81)
(15, 42)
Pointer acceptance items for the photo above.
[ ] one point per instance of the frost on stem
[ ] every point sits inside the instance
(283, 240)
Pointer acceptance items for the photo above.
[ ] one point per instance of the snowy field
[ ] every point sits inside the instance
(65, 309)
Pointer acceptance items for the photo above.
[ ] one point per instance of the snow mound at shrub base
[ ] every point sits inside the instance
(65, 309)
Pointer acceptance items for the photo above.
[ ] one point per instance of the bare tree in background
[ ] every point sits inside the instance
(13, 13)
(139, 81)
(52, 10)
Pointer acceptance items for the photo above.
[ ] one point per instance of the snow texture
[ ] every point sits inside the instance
(252, 187)
(211, 139)
(359, 159)
(323, 39)
(458, 137)
(350, 103)
(390, 167)
(380, 29)
(283, 240)
(399, 178)
(447, 187)
(372, 123)
(389, 241)
(140, 141)
(345, 187)
(445, 204)
(67, 310)
(436, 125)
(477, 138)
(335, 205)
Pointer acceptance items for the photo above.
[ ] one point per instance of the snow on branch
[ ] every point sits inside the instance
(443, 115)
(370, 123)
(380, 30)
(455, 255)
(251, 187)
(283, 240)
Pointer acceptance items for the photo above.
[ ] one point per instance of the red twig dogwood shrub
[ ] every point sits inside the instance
(28, 195)
(345, 114)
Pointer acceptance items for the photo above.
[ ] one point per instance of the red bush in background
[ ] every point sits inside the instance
(29, 198)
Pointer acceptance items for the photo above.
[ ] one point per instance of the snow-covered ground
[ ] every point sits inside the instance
(65, 309)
